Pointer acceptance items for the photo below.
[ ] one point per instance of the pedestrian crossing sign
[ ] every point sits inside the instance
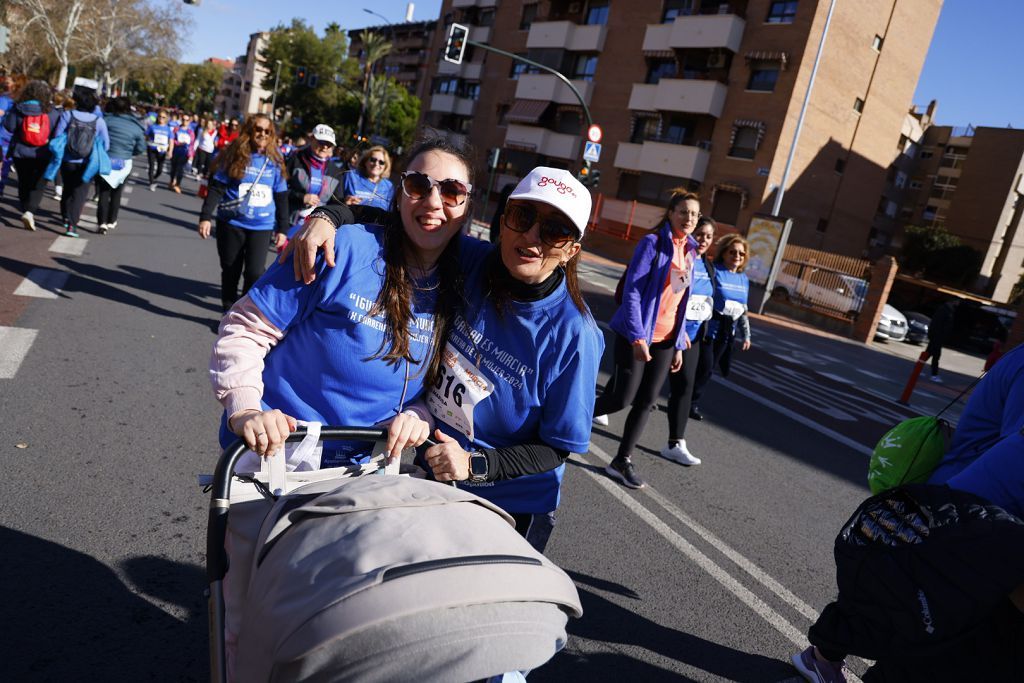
(592, 151)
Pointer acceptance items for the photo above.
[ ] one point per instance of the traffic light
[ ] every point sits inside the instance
(456, 45)
(312, 80)
(300, 74)
(595, 177)
(588, 177)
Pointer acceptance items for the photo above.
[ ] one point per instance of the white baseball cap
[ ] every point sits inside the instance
(324, 133)
(558, 188)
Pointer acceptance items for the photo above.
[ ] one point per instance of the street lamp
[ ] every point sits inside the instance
(377, 14)
(273, 99)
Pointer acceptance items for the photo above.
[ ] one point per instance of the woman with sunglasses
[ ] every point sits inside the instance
(368, 185)
(312, 178)
(729, 321)
(649, 325)
(249, 178)
(158, 144)
(516, 392)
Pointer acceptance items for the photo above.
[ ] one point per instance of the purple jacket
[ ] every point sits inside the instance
(644, 283)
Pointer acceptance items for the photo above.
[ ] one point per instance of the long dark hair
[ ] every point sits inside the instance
(397, 295)
(39, 91)
(235, 158)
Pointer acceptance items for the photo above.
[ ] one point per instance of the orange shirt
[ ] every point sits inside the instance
(675, 287)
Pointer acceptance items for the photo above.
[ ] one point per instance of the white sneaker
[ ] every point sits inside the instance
(601, 420)
(58, 190)
(677, 452)
(152, 187)
(111, 226)
(103, 228)
(28, 220)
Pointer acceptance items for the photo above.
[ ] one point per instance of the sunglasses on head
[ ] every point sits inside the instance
(553, 231)
(453, 192)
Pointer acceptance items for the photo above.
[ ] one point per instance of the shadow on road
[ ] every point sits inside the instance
(163, 218)
(604, 621)
(69, 617)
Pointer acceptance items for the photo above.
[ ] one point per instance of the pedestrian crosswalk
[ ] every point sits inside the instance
(14, 345)
(42, 283)
(69, 246)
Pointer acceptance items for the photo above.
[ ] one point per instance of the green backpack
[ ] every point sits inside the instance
(908, 453)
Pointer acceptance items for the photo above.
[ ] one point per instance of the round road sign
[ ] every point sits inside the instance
(594, 133)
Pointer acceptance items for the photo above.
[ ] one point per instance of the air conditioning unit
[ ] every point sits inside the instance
(575, 8)
(716, 60)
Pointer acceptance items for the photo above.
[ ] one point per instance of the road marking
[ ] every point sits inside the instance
(875, 375)
(14, 345)
(128, 189)
(72, 246)
(836, 378)
(42, 283)
(821, 429)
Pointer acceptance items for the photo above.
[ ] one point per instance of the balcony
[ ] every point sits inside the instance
(481, 34)
(665, 158)
(452, 104)
(542, 141)
(706, 31)
(682, 95)
(474, 3)
(550, 88)
(469, 71)
(567, 36)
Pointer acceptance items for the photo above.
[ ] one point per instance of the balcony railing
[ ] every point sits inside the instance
(680, 95)
(452, 104)
(542, 141)
(566, 35)
(684, 161)
(702, 31)
(470, 71)
(549, 88)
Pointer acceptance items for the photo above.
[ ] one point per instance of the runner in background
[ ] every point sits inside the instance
(227, 133)
(31, 123)
(6, 104)
(249, 171)
(127, 139)
(82, 128)
(181, 142)
(312, 179)
(287, 148)
(62, 102)
(158, 143)
(368, 185)
(205, 146)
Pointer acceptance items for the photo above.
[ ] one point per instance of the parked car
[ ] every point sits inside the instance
(828, 289)
(892, 325)
(917, 327)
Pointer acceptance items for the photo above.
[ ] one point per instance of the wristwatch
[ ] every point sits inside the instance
(477, 467)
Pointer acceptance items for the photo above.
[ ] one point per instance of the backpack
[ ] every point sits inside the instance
(80, 137)
(910, 451)
(35, 129)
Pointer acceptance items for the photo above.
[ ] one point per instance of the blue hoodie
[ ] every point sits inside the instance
(986, 456)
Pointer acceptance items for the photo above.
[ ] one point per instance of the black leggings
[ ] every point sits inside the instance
(178, 162)
(31, 184)
(110, 201)
(201, 162)
(76, 193)
(240, 250)
(635, 382)
(156, 164)
(682, 384)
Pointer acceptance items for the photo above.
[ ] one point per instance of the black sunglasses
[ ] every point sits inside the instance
(553, 232)
(453, 192)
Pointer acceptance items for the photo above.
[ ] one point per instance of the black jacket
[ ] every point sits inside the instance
(332, 191)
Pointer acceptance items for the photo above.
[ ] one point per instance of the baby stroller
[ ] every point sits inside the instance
(340, 577)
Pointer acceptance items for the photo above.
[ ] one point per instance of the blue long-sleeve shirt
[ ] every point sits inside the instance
(986, 456)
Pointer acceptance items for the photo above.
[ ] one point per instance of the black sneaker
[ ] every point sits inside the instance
(695, 414)
(622, 469)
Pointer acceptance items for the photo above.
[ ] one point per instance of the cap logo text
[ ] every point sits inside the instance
(561, 187)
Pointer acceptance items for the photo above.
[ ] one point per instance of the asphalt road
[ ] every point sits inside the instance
(711, 573)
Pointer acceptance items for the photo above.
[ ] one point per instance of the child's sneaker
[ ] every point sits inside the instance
(816, 671)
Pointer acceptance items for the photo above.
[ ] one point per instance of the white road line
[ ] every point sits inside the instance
(836, 378)
(875, 375)
(72, 246)
(128, 189)
(42, 283)
(846, 441)
(14, 345)
(124, 202)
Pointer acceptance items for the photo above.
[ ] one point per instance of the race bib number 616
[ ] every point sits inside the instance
(458, 389)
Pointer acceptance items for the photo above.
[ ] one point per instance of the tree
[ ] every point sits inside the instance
(399, 114)
(58, 22)
(939, 255)
(375, 47)
(198, 87)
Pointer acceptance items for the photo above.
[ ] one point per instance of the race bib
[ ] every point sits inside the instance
(734, 309)
(160, 139)
(680, 279)
(699, 308)
(460, 387)
(184, 138)
(259, 195)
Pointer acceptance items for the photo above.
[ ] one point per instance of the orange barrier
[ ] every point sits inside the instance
(914, 374)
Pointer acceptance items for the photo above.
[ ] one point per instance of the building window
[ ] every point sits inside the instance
(822, 225)
(597, 13)
(486, 18)
(926, 154)
(521, 68)
(840, 166)
(890, 208)
(659, 69)
(446, 86)
(471, 91)
(876, 44)
(529, 14)
(644, 128)
(763, 77)
(651, 188)
(726, 207)
(569, 122)
(584, 67)
(676, 8)
(901, 180)
(744, 144)
(781, 12)
(858, 105)
(916, 185)
(929, 212)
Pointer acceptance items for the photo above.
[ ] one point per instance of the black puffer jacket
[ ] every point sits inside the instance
(924, 574)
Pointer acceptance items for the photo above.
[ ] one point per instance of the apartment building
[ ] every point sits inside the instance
(228, 102)
(695, 93)
(970, 181)
(409, 60)
(255, 99)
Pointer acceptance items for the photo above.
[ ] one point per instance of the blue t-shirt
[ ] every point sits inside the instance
(701, 302)
(986, 456)
(182, 140)
(260, 211)
(730, 295)
(321, 370)
(371, 194)
(158, 137)
(6, 104)
(527, 376)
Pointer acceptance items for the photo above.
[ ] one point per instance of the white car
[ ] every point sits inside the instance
(891, 325)
(831, 290)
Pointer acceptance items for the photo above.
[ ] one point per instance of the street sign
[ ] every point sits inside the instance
(594, 133)
(592, 151)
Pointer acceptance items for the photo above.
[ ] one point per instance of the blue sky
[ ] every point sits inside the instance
(971, 67)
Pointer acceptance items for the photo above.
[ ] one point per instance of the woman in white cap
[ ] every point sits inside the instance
(522, 357)
(312, 178)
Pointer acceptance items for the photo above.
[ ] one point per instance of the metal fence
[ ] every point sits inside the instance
(827, 283)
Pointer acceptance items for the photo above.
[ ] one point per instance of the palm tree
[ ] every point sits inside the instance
(375, 47)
